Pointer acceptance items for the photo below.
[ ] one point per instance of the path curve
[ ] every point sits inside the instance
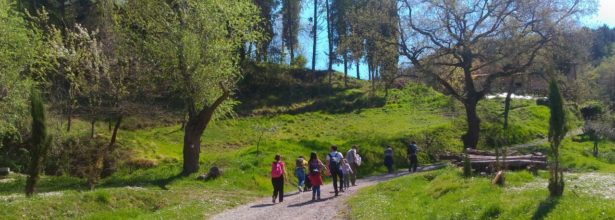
(299, 205)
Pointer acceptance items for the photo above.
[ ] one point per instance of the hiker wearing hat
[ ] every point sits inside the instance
(315, 166)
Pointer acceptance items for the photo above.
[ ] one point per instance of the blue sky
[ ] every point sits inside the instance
(604, 15)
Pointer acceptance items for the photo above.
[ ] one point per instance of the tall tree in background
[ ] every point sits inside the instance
(557, 132)
(467, 45)
(266, 25)
(340, 28)
(331, 53)
(291, 10)
(195, 44)
(315, 38)
(374, 35)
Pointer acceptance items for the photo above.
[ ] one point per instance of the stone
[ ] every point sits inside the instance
(214, 172)
(4, 171)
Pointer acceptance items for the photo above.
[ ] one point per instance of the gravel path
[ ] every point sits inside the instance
(299, 205)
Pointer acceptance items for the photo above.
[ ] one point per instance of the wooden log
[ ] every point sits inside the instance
(488, 153)
(517, 163)
(522, 157)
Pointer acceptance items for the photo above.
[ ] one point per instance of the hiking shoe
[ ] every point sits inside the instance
(273, 199)
(299, 188)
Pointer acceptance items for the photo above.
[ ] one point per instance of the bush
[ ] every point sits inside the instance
(299, 62)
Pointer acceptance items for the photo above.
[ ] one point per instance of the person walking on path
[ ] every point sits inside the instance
(347, 171)
(414, 162)
(388, 158)
(315, 177)
(353, 159)
(278, 175)
(334, 160)
(300, 173)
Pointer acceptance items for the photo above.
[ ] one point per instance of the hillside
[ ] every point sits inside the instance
(147, 184)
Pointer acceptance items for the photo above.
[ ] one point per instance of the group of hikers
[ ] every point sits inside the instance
(343, 170)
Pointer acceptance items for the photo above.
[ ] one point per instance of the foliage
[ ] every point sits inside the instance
(19, 46)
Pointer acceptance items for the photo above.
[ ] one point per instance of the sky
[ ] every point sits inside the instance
(604, 15)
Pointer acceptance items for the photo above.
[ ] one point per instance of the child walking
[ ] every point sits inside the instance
(300, 165)
(347, 171)
(315, 166)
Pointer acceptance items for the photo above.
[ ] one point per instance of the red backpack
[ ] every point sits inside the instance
(277, 169)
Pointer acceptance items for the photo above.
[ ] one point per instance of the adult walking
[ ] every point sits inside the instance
(414, 162)
(388, 158)
(353, 159)
(315, 178)
(278, 175)
(334, 161)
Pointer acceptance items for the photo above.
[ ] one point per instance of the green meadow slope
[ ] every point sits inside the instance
(147, 186)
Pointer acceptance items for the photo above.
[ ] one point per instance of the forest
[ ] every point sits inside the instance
(174, 109)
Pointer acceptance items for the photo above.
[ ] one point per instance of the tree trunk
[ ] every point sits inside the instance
(330, 39)
(34, 170)
(108, 164)
(369, 72)
(192, 146)
(116, 128)
(596, 147)
(508, 100)
(92, 129)
(69, 117)
(242, 53)
(315, 36)
(345, 71)
(358, 72)
(470, 138)
(290, 31)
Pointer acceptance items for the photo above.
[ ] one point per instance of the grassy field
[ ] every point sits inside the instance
(147, 185)
(445, 194)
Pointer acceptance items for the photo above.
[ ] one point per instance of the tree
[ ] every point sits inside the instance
(266, 13)
(315, 38)
(290, 25)
(40, 141)
(467, 45)
(331, 53)
(23, 62)
(340, 28)
(598, 130)
(18, 50)
(557, 132)
(374, 34)
(195, 43)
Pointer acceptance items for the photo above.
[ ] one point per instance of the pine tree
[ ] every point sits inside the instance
(290, 25)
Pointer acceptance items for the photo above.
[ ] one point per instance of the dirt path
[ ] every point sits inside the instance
(299, 205)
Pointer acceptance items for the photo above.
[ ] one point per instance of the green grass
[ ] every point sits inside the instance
(446, 194)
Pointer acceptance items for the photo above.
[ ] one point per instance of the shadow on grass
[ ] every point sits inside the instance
(545, 207)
